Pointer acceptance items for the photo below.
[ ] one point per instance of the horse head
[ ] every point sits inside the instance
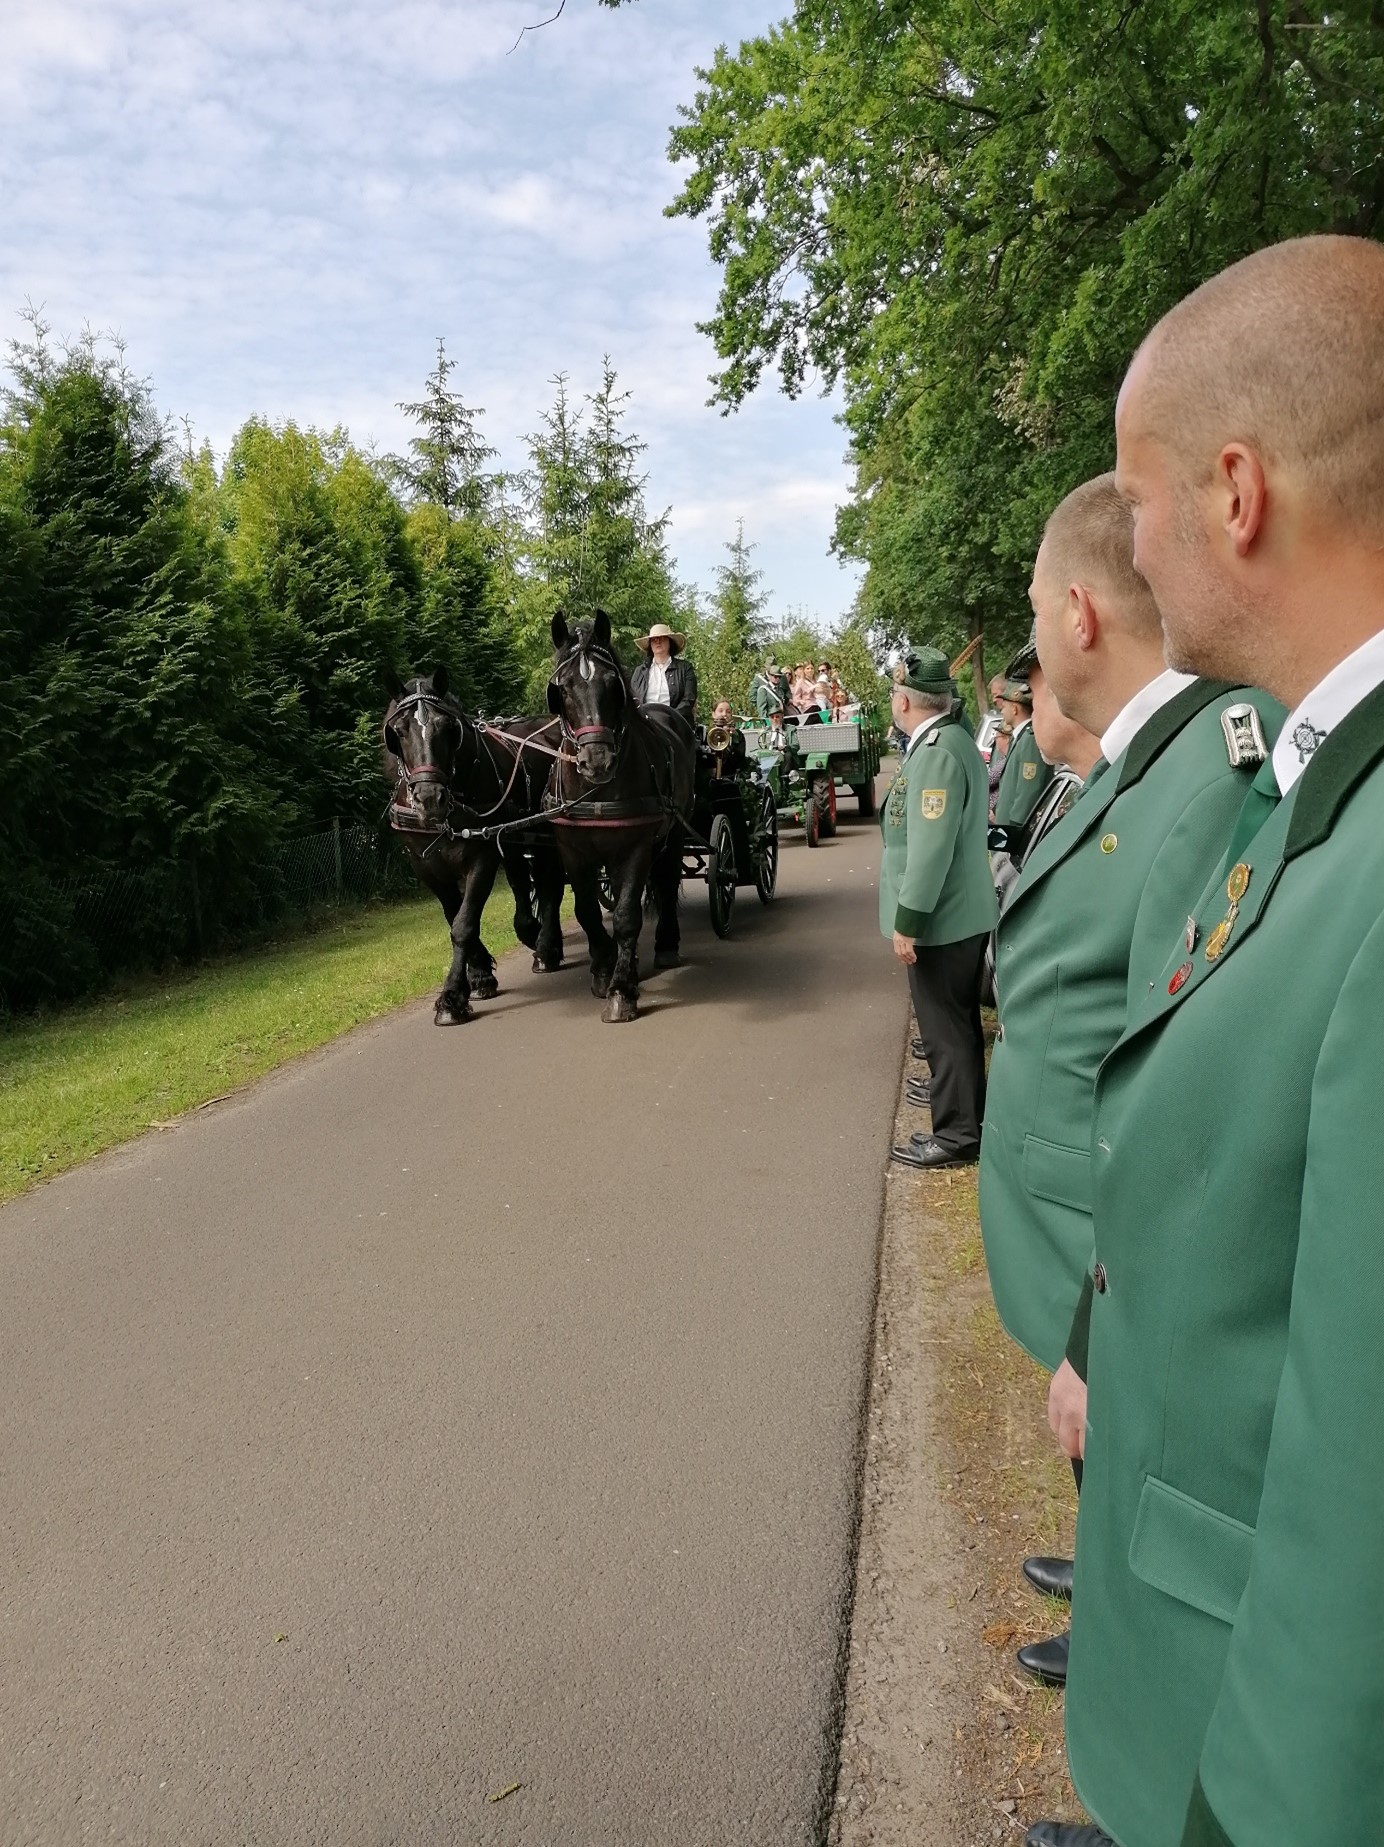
(589, 693)
(424, 731)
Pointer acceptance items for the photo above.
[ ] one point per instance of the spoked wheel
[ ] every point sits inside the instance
(720, 874)
(824, 789)
(766, 848)
(607, 892)
(812, 819)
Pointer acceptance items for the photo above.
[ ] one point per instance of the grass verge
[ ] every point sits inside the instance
(1002, 1472)
(80, 1081)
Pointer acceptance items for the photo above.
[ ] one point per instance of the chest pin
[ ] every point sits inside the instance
(1180, 979)
(1235, 888)
(1109, 842)
(1190, 935)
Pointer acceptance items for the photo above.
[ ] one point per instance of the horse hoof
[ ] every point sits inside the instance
(540, 967)
(620, 1007)
(485, 988)
(667, 958)
(450, 1013)
(600, 985)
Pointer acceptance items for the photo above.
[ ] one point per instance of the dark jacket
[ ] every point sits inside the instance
(682, 685)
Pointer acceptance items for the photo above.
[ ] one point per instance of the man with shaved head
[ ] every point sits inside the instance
(1227, 1654)
(1146, 834)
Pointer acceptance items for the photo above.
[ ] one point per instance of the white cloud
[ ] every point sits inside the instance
(281, 204)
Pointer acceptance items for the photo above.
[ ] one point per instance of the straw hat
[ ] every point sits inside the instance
(661, 632)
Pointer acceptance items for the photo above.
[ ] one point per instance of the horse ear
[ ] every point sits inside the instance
(561, 634)
(441, 680)
(600, 629)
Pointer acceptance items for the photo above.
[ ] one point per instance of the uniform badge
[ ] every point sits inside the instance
(896, 807)
(1306, 738)
(934, 804)
(1180, 979)
(1245, 743)
(1235, 888)
(1030, 770)
(1191, 934)
(1109, 842)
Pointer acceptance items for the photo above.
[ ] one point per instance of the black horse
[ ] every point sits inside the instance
(618, 799)
(452, 774)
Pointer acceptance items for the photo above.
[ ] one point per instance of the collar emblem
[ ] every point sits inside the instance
(1306, 740)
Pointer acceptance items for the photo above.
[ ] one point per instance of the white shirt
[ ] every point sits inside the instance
(933, 719)
(656, 692)
(1119, 734)
(1332, 699)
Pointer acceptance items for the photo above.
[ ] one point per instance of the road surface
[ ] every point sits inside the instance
(457, 1410)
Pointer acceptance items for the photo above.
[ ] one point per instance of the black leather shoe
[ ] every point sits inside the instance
(1066, 1834)
(927, 1151)
(920, 1092)
(918, 1049)
(1047, 1661)
(1051, 1576)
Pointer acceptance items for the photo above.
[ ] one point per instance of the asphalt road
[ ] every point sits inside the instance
(461, 1409)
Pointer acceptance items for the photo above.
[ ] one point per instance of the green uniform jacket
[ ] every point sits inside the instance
(1150, 831)
(1022, 780)
(769, 695)
(1227, 1670)
(934, 877)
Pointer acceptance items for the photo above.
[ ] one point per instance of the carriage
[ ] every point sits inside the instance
(732, 839)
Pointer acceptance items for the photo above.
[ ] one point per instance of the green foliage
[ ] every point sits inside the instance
(970, 215)
(194, 659)
(727, 640)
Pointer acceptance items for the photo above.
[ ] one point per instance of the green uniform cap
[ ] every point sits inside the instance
(926, 671)
(1016, 683)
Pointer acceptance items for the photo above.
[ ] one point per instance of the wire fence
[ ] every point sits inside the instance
(61, 938)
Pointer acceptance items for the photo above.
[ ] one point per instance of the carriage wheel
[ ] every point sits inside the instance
(824, 789)
(607, 892)
(864, 793)
(766, 854)
(812, 820)
(720, 874)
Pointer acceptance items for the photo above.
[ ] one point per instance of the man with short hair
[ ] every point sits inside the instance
(937, 903)
(1147, 832)
(1025, 775)
(1227, 1679)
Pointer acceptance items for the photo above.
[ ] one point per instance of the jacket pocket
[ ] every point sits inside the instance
(1189, 1550)
(1057, 1173)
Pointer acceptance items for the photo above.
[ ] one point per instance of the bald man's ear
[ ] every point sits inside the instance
(1084, 619)
(1243, 496)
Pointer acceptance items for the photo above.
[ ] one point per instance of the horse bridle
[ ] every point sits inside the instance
(574, 734)
(412, 778)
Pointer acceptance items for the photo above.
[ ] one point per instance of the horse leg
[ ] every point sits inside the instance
(453, 1005)
(479, 883)
(548, 880)
(667, 883)
(587, 898)
(623, 1000)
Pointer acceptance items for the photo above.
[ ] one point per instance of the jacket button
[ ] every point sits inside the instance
(1100, 1279)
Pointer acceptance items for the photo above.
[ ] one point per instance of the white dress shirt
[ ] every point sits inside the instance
(656, 692)
(933, 719)
(1119, 734)
(1314, 719)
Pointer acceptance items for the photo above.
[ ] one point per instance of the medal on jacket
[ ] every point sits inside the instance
(1191, 934)
(1235, 888)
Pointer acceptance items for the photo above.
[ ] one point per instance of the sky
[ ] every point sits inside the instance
(281, 204)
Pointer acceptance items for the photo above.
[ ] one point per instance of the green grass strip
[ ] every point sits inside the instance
(79, 1081)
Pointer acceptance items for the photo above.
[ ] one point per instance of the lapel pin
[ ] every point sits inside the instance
(1191, 934)
(1181, 978)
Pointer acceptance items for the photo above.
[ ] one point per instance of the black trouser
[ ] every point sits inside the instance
(945, 985)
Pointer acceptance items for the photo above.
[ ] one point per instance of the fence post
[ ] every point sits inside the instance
(336, 849)
(196, 906)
